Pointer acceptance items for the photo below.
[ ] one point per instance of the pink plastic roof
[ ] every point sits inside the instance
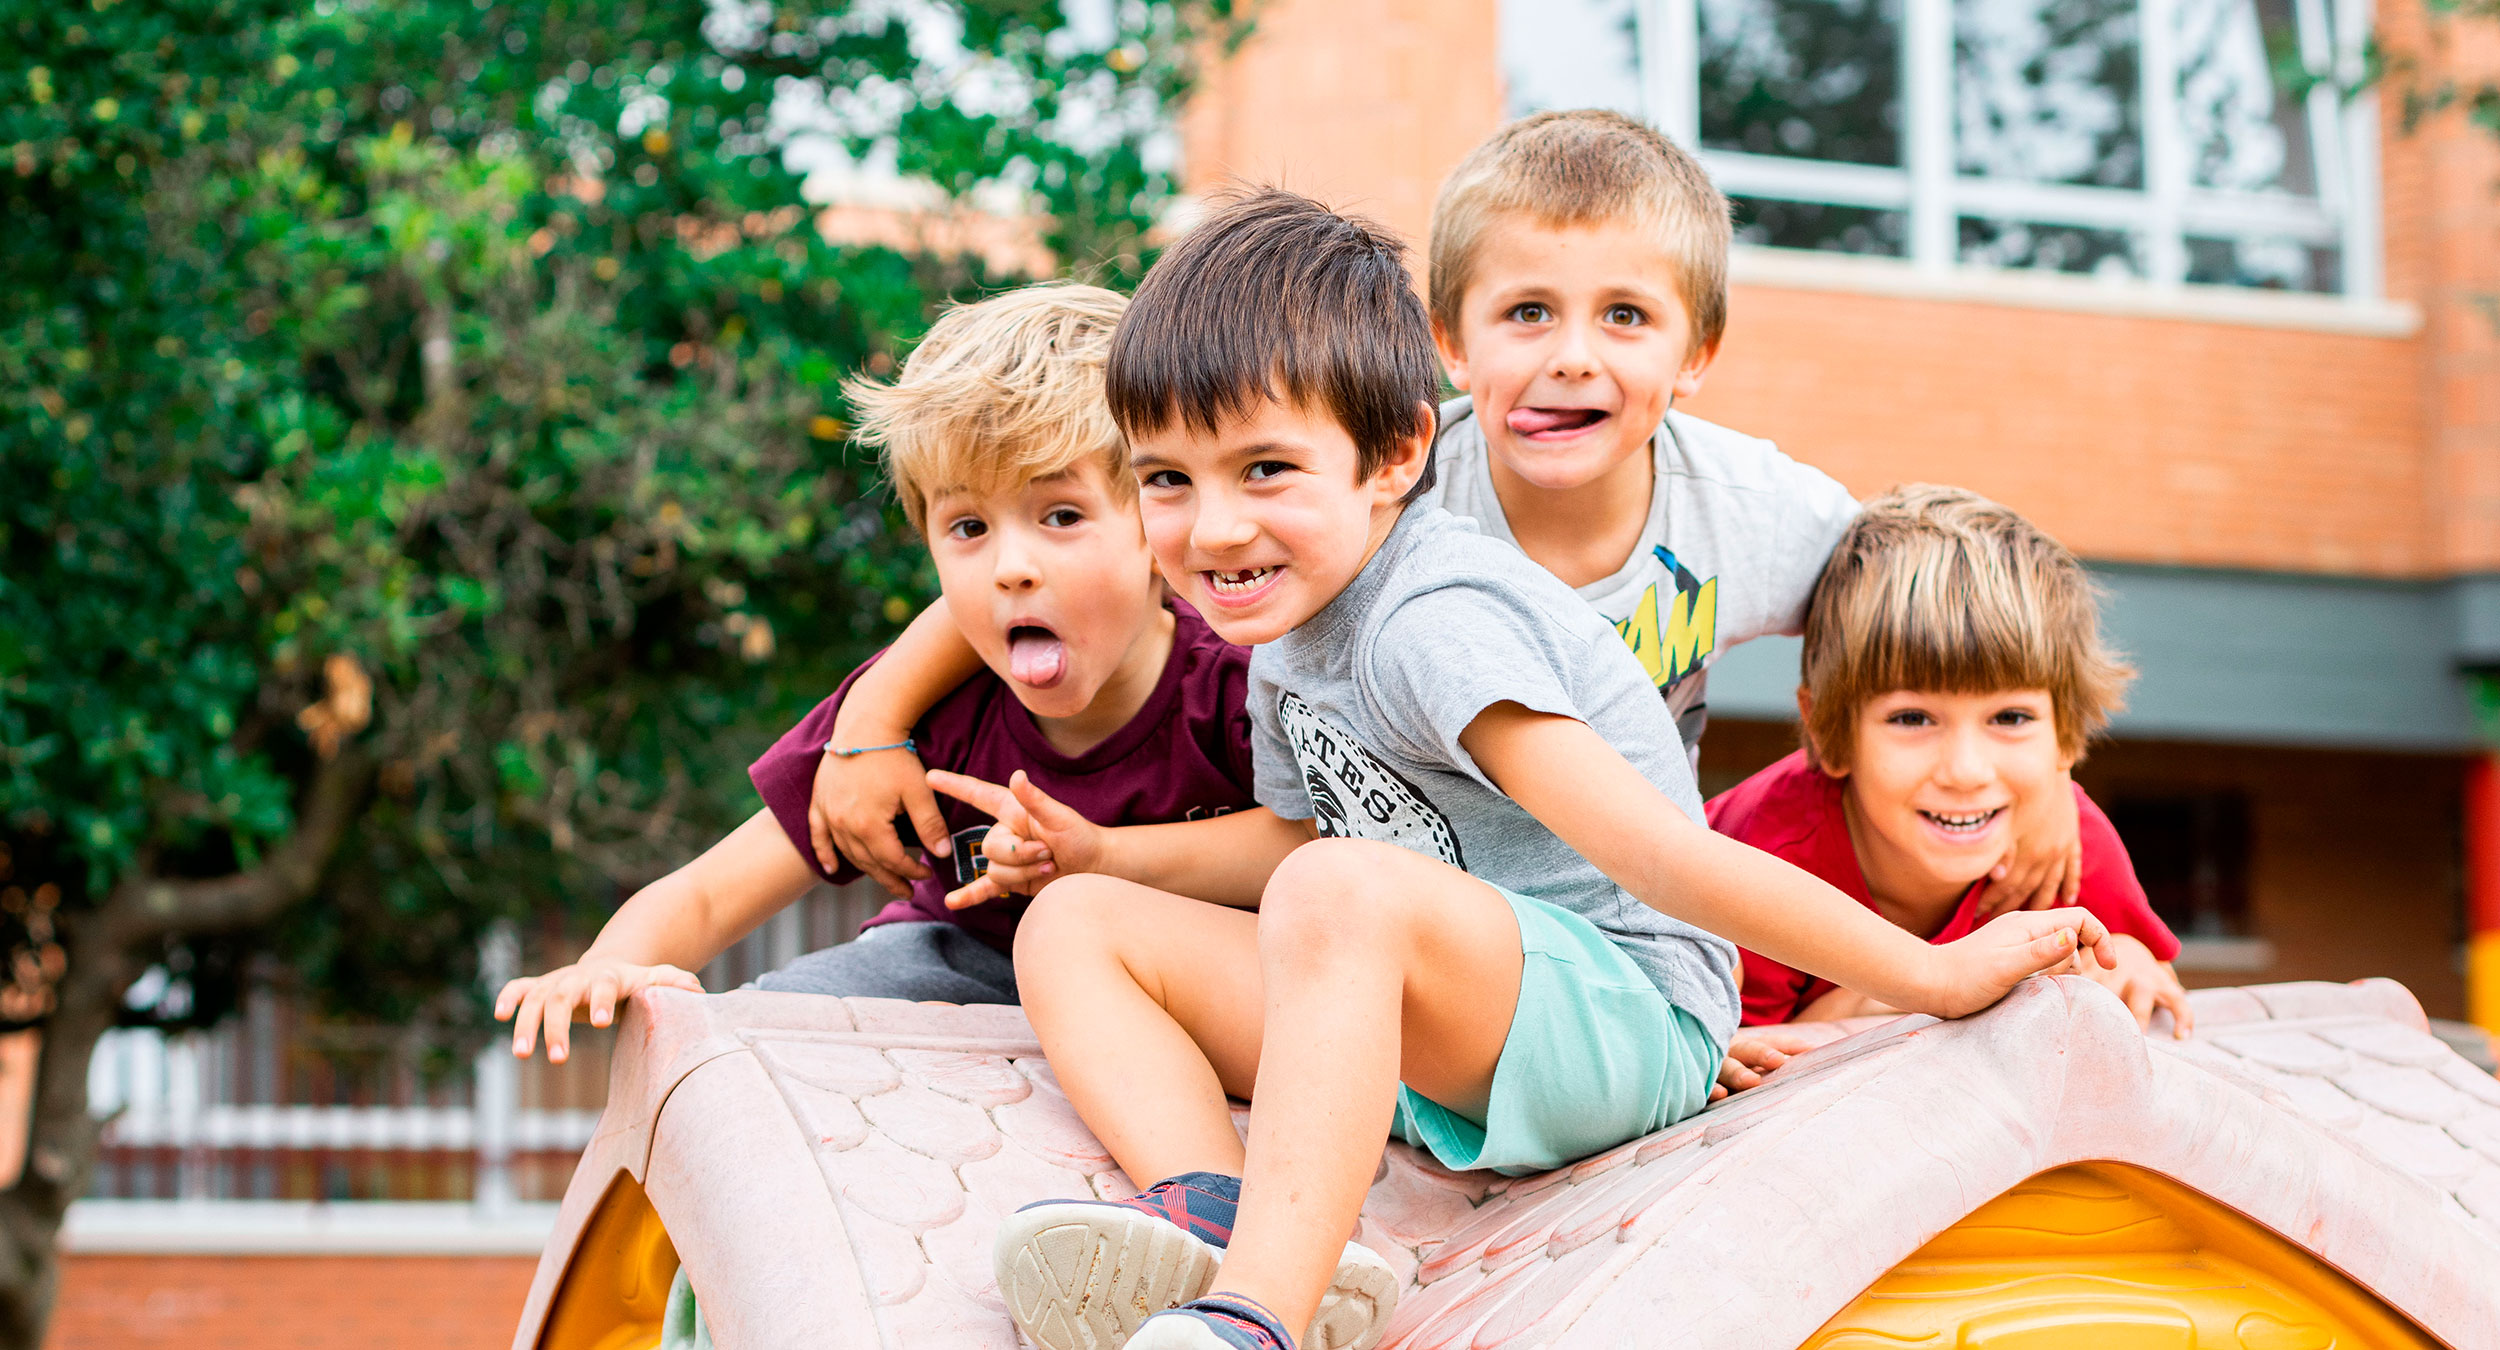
(832, 1170)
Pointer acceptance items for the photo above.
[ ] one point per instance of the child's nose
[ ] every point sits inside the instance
(1018, 568)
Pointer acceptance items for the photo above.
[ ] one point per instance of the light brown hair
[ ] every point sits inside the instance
(1001, 391)
(1581, 168)
(1940, 590)
(1275, 296)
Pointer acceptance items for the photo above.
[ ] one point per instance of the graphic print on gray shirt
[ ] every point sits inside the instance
(1737, 532)
(1356, 717)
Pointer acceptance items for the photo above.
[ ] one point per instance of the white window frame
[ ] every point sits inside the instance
(2165, 212)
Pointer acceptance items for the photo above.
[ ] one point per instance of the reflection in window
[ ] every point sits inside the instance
(1816, 79)
(2045, 91)
(2269, 264)
(2245, 123)
(2050, 248)
(1772, 223)
(1575, 54)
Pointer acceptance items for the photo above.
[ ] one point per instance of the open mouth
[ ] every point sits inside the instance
(1557, 422)
(1035, 655)
(1962, 822)
(1240, 583)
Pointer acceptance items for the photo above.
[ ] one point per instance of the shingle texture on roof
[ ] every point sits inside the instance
(832, 1170)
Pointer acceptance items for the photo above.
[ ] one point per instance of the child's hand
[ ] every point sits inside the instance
(851, 812)
(548, 1000)
(1972, 973)
(2045, 867)
(1036, 840)
(1757, 1051)
(2145, 984)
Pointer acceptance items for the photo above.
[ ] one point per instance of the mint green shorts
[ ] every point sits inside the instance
(1596, 1056)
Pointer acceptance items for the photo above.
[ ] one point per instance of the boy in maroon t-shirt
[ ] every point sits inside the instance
(1953, 671)
(1111, 698)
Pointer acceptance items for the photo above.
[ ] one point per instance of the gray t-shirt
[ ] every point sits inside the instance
(1355, 719)
(1737, 533)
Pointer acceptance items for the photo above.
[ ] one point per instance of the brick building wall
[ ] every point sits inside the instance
(289, 1302)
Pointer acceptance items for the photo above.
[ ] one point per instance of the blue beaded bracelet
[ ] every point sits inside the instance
(839, 753)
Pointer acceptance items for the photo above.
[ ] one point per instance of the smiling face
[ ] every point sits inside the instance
(1051, 583)
(1263, 522)
(1572, 342)
(1934, 779)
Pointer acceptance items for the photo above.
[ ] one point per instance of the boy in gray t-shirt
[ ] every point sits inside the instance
(1485, 902)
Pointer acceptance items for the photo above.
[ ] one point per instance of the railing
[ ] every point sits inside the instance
(273, 1132)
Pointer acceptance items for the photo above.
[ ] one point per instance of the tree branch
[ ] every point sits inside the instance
(144, 908)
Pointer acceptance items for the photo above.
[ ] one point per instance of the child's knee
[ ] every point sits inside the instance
(1074, 914)
(1332, 892)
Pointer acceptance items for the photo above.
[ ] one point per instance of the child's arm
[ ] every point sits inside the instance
(1226, 860)
(1566, 775)
(670, 927)
(857, 797)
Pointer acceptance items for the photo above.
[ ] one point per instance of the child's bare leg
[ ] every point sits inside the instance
(1150, 1005)
(1380, 965)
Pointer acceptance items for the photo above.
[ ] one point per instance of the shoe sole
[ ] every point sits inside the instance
(1084, 1277)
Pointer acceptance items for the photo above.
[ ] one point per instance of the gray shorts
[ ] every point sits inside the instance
(923, 962)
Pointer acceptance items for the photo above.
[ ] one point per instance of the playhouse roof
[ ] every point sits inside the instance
(831, 1171)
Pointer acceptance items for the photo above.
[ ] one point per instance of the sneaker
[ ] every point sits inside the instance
(1216, 1322)
(1085, 1274)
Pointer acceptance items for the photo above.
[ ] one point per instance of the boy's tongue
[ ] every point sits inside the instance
(1530, 421)
(1036, 657)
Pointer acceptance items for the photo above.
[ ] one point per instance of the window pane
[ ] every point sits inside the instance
(2276, 264)
(2051, 248)
(1838, 229)
(2240, 101)
(2046, 91)
(1570, 54)
(1811, 79)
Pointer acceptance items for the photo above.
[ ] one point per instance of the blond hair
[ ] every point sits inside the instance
(1001, 391)
(1581, 168)
(1940, 590)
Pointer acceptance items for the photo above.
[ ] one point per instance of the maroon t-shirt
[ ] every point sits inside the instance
(1792, 810)
(1185, 756)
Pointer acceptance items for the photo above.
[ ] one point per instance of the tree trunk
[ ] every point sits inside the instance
(61, 1137)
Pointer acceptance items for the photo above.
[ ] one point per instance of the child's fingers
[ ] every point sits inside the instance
(525, 1023)
(1046, 811)
(981, 891)
(973, 792)
(927, 821)
(2182, 1017)
(604, 988)
(510, 997)
(557, 1018)
(676, 977)
(820, 837)
(2139, 997)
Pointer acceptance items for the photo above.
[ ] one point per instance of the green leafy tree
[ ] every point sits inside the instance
(422, 473)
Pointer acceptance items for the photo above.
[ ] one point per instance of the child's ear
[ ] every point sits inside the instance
(1805, 733)
(1453, 356)
(1405, 466)
(1696, 365)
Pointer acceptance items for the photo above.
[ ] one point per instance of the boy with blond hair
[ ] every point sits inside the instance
(1954, 671)
(999, 445)
(1488, 915)
(1578, 288)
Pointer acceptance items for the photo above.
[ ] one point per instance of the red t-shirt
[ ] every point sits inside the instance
(1184, 756)
(1792, 811)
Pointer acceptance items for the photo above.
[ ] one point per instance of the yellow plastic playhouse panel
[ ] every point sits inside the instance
(2102, 1256)
(615, 1291)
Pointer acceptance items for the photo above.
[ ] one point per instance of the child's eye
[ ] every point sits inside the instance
(1166, 480)
(1911, 717)
(1627, 316)
(1266, 469)
(2014, 717)
(1530, 312)
(1063, 517)
(969, 527)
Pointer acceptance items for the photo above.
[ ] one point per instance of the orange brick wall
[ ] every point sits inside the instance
(2136, 439)
(290, 1302)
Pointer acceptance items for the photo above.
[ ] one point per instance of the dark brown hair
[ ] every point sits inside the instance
(1275, 296)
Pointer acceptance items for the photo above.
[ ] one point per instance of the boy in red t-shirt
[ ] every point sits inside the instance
(1953, 670)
